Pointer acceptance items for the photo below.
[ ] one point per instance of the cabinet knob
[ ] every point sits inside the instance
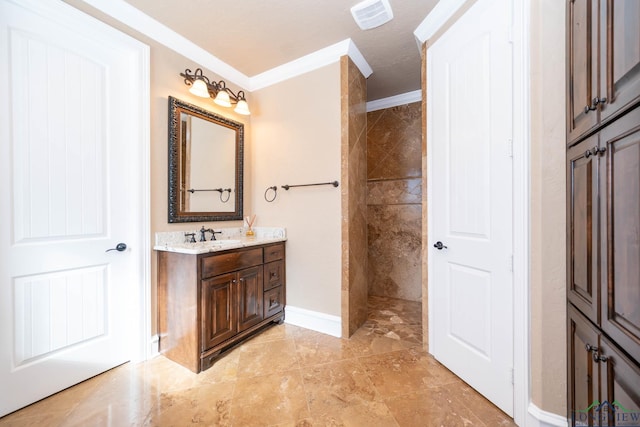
(590, 348)
(595, 151)
(594, 104)
(597, 358)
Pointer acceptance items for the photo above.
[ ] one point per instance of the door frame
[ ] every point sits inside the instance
(446, 14)
(142, 347)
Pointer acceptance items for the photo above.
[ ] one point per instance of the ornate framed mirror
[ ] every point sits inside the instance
(206, 154)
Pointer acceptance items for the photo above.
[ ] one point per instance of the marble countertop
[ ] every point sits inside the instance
(231, 238)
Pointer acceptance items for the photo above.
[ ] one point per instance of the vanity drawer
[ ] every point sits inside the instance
(231, 261)
(274, 252)
(273, 301)
(273, 274)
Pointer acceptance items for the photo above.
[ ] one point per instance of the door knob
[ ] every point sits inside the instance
(439, 246)
(119, 247)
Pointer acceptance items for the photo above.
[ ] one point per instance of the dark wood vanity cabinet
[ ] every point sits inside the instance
(603, 208)
(208, 303)
(603, 63)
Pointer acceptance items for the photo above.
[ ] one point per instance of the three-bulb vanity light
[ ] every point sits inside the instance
(221, 94)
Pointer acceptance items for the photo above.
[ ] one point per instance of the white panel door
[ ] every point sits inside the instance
(469, 122)
(71, 143)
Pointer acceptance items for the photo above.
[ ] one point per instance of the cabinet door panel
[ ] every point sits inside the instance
(218, 311)
(620, 57)
(620, 212)
(274, 274)
(273, 301)
(583, 372)
(620, 386)
(582, 65)
(250, 297)
(582, 228)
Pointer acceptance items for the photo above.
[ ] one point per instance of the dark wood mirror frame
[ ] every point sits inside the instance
(176, 107)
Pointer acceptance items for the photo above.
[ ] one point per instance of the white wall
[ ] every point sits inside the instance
(296, 129)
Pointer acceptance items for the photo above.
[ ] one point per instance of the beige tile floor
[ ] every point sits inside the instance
(286, 376)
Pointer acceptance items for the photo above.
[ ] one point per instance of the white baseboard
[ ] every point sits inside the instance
(539, 418)
(316, 321)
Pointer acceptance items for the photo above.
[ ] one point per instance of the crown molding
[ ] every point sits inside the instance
(148, 26)
(136, 19)
(394, 101)
(310, 62)
(438, 16)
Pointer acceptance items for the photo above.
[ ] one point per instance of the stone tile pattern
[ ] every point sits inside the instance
(354, 289)
(394, 201)
(286, 376)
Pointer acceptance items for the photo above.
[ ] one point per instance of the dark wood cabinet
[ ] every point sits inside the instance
(619, 57)
(603, 63)
(582, 64)
(250, 297)
(219, 318)
(604, 383)
(603, 211)
(583, 375)
(620, 232)
(209, 303)
(583, 227)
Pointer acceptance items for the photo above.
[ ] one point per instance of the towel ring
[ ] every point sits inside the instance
(275, 193)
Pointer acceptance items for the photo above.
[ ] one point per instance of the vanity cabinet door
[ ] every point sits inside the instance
(218, 310)
(273, 301)
(274, 275)
(250, 297)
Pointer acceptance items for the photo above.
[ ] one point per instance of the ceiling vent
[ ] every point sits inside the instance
(372, 13)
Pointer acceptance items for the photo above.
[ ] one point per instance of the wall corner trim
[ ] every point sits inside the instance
(438, 16)
(310, 62)
(314, 320)
(394, 101)
(539, 418)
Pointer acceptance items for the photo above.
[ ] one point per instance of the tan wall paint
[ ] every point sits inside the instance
(166, 65)
(297, 140)
(548, 217)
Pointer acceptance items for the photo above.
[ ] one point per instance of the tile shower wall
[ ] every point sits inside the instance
(354, 197)
(394, 210)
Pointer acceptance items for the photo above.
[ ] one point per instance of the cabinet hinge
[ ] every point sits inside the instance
(512, 380)
(510, 147)
(510, 263)
(510, 34)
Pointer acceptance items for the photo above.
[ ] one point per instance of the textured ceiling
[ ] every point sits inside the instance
(254, 36)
